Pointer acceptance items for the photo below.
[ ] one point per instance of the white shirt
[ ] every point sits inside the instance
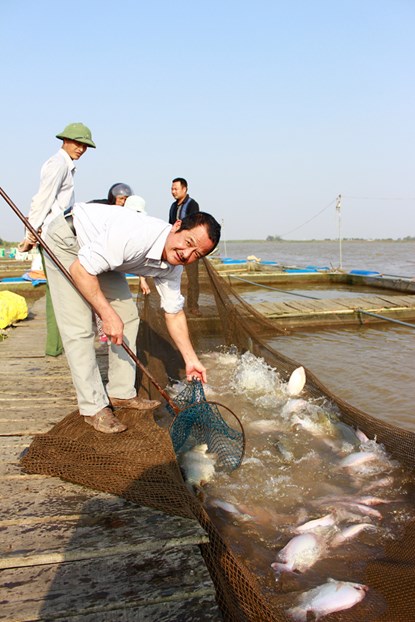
(56, 191)
(112, 237)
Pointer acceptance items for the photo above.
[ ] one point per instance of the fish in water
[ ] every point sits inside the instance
(350, 532)
(361, 436)
(299, 554)
(318, 523)
(327, 598)
(359, 508)
(265, 426)
(198, 465)
(357, 459)
(296, 382)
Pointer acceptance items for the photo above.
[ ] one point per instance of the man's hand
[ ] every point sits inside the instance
(25, 245)
(195, 369)
(144, 286)
(113, 327)
(89, 287)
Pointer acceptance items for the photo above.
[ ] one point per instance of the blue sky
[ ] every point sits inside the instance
(270, 109)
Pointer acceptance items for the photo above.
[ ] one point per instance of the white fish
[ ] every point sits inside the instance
(294, 405)
(364, 500)
(265, 425)
(296, 382)
(361, 436)
(367, 500)
(328, 598)
(299, 554)
(350, 532)
(360, 508)
(285, 454)
(357, 458)
(384, 482)
(317, 425)
(224, 505)
(317, 523)
(230, 508)
(198, 465)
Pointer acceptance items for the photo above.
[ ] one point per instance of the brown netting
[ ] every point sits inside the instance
(140, 464)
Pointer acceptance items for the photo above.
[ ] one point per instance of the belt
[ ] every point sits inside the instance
(67, 214)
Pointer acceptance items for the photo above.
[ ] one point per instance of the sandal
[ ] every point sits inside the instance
(105, 421)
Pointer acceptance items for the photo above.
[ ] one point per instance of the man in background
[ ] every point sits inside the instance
(55, 195)
(184, 206)
(117, 194)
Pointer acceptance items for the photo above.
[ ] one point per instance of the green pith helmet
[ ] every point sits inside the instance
(79, 132)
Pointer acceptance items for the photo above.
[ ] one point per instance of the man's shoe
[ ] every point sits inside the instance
(134, 402)
(105, 421)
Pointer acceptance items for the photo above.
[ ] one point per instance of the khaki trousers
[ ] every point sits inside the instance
(75, 321)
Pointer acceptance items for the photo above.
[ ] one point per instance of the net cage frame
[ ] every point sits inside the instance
(393, 575)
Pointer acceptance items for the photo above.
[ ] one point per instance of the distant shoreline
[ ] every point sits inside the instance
(348, 240)
(5, 244)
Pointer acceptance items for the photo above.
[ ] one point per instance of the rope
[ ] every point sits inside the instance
(397, 276)
(388, 319)
(284, 291)
(309, 220)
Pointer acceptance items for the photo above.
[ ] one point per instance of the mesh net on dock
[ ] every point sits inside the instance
(140, 464)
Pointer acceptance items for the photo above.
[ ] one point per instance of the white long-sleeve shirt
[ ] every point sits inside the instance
(112, 237)
(56, 191)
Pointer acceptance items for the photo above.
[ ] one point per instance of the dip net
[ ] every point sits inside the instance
(201, 422)
(140, 464)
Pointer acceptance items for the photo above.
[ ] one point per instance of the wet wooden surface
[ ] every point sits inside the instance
(68, 552)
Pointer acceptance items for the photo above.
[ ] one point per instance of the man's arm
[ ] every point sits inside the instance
(179, 332)
(90, 289)
(51, 177)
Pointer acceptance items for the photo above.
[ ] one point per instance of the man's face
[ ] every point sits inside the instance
(121, 199)
(178, 191)
(184, 247)
(73, 148)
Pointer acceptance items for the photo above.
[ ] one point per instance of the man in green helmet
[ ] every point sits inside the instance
(55, 195)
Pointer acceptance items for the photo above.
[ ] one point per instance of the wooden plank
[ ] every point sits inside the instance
(107, 559)
(352, 303)
(50, 496)
(74, 537)
(303, 308)
(106, 585)
(24, 424)
(12, 448)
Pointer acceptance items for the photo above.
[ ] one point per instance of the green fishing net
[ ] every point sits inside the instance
(202, 422)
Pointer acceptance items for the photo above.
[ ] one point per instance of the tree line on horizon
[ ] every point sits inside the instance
(278, 238)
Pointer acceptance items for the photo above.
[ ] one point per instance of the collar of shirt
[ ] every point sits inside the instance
(154, 255)
(68, 160)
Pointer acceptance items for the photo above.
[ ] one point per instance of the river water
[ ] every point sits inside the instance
(302, 463)
(397, 258)
(372, 366)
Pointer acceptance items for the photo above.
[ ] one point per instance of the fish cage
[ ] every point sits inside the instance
(142, 467)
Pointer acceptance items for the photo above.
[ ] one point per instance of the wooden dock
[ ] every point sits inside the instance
(71, 553)
(304, 312)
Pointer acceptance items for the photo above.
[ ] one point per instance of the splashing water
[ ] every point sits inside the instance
(291, 474)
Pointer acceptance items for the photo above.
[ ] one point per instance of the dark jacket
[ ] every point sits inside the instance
(189, 206)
